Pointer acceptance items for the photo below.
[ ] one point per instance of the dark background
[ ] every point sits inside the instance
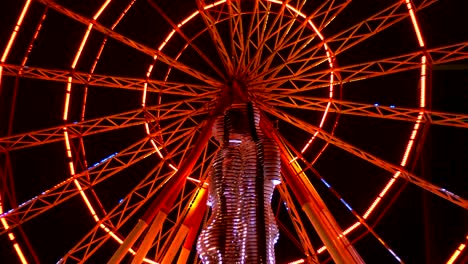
(418, 226)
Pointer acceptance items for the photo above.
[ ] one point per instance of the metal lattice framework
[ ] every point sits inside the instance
(138, 101)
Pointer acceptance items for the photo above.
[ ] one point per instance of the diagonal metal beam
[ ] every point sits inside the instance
(100, 80)
(210, 23)
(177, 28)
(348, 38)
(179, 109)
(441, 192)
(67, 189)
(300, 45)
(131, 43)
(365, 70)
(368, 110)
(301, 231)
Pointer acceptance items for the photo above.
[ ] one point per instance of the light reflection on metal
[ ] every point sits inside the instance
(242, 227)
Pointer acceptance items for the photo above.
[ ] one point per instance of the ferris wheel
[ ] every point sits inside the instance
(108, 109)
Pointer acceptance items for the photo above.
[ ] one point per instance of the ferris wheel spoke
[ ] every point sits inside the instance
(288, 72)
(166, 198)
(169, 111)
(441, 192)
(86, 179)
(373, 25)
(354, 35)
(239, 41)
(403, 63)
(273, 71)
(142, 186)
(291, 58)
(410, 61)
(233, 24)
(328, 11)
(107, 81)
(177, 28)
(368, 27)
(361, 31)
(184, 215)
(367, 110)
(210, 23)
(131, 43)
(366, 70)
(298, 52)
(361, 220)
(156, 179)
(311, 202)
(188, 228)
(249, 36)
(112, 221)
(200, 169)
(127, 207)
(264, 33)
(278, 36)
(257, 36)
(298, 224)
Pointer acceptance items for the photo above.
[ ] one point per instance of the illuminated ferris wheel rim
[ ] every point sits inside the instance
(160, 48)
(423, 64)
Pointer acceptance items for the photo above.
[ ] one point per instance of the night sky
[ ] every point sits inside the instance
(418, 226)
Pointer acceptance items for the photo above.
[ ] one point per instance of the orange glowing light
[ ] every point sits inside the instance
(17, 248)
(98, 13)
(20, 253)
(297, 261)
(457, 252)
(415, 23)
(15, 31)
(351, 228)
(423, 81)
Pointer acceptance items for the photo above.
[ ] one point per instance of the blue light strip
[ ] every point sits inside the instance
(103, 160)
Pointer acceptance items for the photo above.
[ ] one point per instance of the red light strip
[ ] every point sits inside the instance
(415, 23)
(416, 127)
(19, 22)
(67, 140)
(36, 34)
(150, 70)
(15, 31)
(422, 104)
(330, 63)
(12, 237)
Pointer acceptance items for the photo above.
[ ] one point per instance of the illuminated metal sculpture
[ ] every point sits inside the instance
(242, 227)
